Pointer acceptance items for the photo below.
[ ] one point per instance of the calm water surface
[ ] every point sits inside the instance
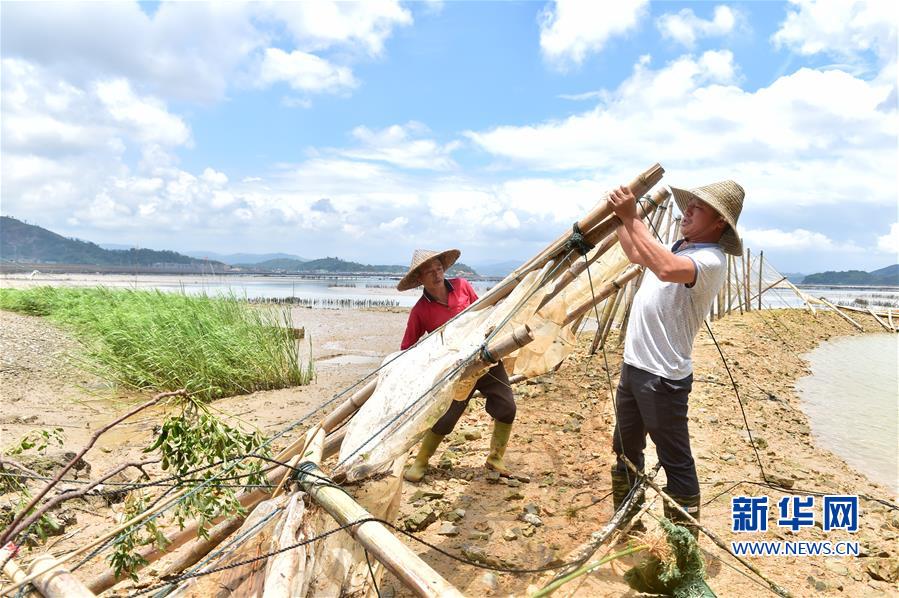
(852, 401)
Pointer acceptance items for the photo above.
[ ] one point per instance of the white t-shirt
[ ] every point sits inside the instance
(666, 316)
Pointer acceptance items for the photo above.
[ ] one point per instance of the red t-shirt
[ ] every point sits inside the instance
(428, 314)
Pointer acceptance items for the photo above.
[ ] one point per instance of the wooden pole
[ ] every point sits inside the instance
(890, 318)
(747, 267)
(659, 199)
(603, 292)
(407, 566)
(201, 546)
(583, 552)
(841, 314)
(50, 581)
(770, 286)
(761, 262)
(601, 324)
(611, 319)
(349, 406)
(730, 261)
(879, 321)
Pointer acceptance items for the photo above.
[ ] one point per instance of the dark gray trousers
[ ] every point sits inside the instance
(500, 401)
(649, 404)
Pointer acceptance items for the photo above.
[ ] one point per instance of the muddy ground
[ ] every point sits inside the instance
(561, 443)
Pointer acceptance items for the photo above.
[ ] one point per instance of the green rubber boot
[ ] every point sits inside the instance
(428, 447)
(691, 505)
(621, 487)
(498, 443)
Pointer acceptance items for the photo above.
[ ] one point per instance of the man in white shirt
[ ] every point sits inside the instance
(673, 300)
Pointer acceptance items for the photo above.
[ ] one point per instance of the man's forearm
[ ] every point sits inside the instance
(642, 249)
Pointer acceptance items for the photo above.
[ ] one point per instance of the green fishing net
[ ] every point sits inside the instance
(681, 576)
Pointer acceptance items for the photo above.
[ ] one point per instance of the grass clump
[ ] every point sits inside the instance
(211, 346)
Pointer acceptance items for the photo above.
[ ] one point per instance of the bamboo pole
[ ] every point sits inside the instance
(761, 262)
(248, 500)
(601, 323)
(639, 186)
(730, 260)
(612, 314)
(583, 552)
(769, 287)
(349, 406)
(677, 223)
(603, 244)
(604, 292)
(890, 318)
(841, 314)
(747, 280)
(407, 566)
(879, 321)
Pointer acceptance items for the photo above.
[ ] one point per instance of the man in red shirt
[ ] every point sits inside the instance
(441, 300)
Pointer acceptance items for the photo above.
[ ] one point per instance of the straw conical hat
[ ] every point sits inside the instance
(419, 258)
(727, 199)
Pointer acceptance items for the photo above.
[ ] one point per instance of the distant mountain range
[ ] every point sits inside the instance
(22, 242)
(334, 264)
(888, 276)
(244, 258)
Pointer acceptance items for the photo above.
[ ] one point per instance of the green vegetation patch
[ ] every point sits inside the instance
(211, 346)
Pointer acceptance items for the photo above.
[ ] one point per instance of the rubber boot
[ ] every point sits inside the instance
(621, 487)
(498, 442)
(428, 447)
(690, 504)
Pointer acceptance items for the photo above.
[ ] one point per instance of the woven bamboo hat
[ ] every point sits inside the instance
(419, 259)
(726, 197)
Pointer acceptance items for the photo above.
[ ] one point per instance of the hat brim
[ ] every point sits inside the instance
(411, 279)
(730, 242)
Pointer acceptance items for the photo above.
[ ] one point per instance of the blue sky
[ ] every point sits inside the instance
(367, 130)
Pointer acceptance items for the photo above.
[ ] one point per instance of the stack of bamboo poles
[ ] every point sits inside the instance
(336, 563)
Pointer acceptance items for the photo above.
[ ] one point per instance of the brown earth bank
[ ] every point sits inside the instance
(561, 442)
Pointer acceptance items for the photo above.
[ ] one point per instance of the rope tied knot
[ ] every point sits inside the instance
(486, 355)
(577, 242)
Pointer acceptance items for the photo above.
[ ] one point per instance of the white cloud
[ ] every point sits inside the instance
(889, 243)
(811, 137)
(570, 30)
(401, 146)
(196, 51)
(320, 25)
(304, 72)
(797, 239)
(843, 29)
(147, 118)
(685, 27)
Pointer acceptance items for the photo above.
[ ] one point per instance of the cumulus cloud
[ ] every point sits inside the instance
(196, 50)
(841, 29)
(403, 146)
(685, 27)
(570, 30)
(815, 137)
(800, 238)
(889, 243)
(304, 72)
(321, 25)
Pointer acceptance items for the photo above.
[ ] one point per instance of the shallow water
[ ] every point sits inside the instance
(852, 401)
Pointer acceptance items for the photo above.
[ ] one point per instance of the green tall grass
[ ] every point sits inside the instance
(211, 346)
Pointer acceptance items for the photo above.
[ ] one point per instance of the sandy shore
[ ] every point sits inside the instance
(561, 440)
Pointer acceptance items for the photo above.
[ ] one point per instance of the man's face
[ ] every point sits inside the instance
(701, 222)
(431, 274)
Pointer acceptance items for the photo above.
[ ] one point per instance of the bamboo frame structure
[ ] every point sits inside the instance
(384, 546)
